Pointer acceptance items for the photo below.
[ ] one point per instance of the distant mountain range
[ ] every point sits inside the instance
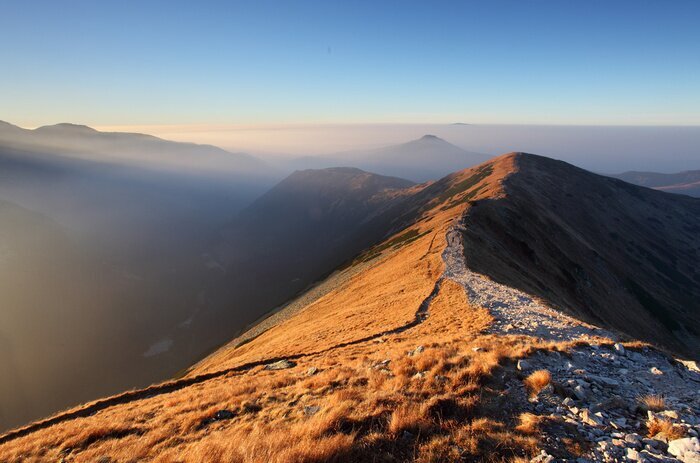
(427, 158)
(132, 149)
(686, 183)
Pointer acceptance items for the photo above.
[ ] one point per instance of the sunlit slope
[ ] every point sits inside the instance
(385, 295)
(378, 305)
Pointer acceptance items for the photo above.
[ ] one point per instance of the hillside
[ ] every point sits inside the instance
(686, 183)
(601, 249)
(409, 353)
(295, 234)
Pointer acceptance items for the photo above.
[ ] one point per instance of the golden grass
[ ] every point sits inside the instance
(653, 402)
(356, 408)
(537, 381)
(669, 430)
(529, 423)
(408, 418)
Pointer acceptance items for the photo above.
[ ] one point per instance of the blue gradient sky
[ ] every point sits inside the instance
(170, 62)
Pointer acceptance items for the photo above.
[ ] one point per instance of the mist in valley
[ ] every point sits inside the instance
(104, 268)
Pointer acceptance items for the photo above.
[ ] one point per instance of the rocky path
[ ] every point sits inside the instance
(599, 389)
(514, 311)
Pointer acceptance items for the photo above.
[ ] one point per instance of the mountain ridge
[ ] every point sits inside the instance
(410, 352)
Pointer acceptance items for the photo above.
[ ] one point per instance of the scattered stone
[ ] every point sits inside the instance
(604, 380)
(633, 455)
(419, 375)
(597, 386)
(220, 415)
(687, 449)
(668, 414)
(543, 457)
(383, 364)
(634, 440)
(691, 365)
(619, 423)
(224, 415)
(589, 418)
(280, 365)
(311, 371)
(523, 365)
(311, 410)
(416, 351)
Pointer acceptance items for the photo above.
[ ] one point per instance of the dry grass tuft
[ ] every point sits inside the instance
(408, 418)
(655, 403)
(537, 381)
(529, 423)
(664, 427)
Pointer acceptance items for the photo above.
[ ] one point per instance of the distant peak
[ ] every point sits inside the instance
(8, 125)
(67, 126)
(430, 137)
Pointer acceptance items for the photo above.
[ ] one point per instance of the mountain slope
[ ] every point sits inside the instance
(296, 233)
(604, 250)
(406, 354)
(686, 183)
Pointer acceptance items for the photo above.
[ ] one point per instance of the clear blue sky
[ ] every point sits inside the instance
(171, 62)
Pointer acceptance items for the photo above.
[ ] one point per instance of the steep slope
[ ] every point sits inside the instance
(686, 183)
(299, 231)
(604, 250)
(406, 354)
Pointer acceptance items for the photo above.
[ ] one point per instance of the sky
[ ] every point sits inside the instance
(196, 66)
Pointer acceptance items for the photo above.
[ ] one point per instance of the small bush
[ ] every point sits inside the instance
(665, 427)
(655, 403)
(537, 381)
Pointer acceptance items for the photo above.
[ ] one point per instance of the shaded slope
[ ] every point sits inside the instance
(297, 233)
(602, 249)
